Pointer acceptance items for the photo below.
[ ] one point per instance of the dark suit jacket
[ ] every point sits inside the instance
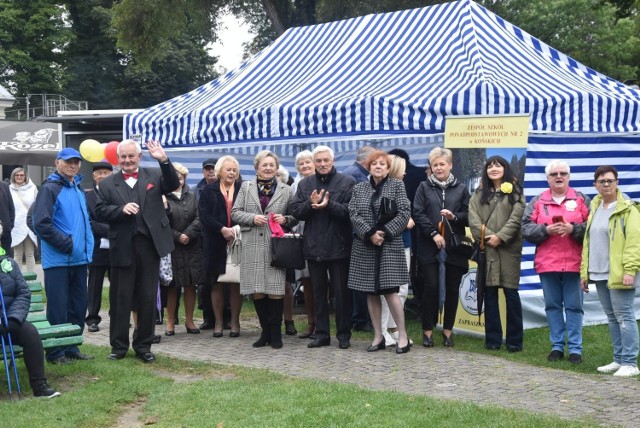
(113, 196)
(99, 229)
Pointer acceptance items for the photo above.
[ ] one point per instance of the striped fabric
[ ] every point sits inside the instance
(401, 72)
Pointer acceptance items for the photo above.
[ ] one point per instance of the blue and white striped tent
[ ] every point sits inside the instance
(394, 79)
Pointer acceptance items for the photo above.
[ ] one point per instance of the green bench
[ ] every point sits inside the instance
(52, 335)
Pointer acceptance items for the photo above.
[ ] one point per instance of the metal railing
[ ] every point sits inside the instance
(35, 105)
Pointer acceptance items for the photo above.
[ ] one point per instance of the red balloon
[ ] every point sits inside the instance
(111, 152)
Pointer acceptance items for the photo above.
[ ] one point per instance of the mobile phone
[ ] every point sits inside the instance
(557, 219)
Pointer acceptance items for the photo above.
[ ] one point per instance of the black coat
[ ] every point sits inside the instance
(7, 215)
(16, 293)
(212, 209)
(99, 229)
(327, 232)
(426, 214)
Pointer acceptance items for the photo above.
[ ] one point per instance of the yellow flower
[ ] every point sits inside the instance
(506, 188)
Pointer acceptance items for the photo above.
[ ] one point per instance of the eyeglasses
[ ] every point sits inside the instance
(558, 174)
(606, 182)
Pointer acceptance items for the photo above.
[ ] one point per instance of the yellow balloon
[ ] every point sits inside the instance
(92, 150)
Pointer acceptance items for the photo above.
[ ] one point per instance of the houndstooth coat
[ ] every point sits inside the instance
(256, 273)
(393, 270)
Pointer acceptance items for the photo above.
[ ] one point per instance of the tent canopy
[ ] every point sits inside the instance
(401, 72)
(28, 143)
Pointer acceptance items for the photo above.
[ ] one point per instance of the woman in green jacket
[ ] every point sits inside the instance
(613, 228)
(498, 204)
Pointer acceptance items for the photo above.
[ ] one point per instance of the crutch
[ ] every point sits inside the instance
(5, 321)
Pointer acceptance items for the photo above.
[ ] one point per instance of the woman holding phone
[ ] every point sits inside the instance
(555, 221)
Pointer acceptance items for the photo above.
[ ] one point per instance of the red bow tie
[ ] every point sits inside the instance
(127, 176)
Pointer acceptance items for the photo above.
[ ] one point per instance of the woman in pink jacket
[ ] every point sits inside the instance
(555, 221)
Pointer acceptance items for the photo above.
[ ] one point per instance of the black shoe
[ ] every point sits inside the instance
(513, 349)
(93, 327)
(61, 360)
(169, 332)
(344, 344)
(234, 334)
(146, 357)
(156, 339)
(380, 346)
(575, 358)
(217, 334)
(404, 349)
(493, 347)
(207, 325)
(192, 330)
(264, 340)
(290, 328)
(555, 355)
(79, 356)
(44, 391)
(427, 341)
(447, 340)
(319, 342)
(116, 356)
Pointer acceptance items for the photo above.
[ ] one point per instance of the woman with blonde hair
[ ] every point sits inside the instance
(258, 199)
(23, 240)
(216, 202)
(186, 258)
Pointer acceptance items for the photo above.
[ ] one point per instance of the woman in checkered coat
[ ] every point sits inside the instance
(257, 199)
(380, 211)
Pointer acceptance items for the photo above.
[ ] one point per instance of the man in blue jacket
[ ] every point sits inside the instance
(61, 221)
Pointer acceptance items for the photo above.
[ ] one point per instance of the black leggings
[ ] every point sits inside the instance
(27, 336)
(430, 293)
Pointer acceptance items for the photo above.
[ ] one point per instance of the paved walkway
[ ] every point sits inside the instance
(437, 372)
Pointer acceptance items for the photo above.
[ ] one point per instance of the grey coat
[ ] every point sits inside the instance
(256, 273)
(364, 269)
(503, 262)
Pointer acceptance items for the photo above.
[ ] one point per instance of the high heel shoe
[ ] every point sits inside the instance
(309, 332)
(406, 348)
(234, 334)
(290, 328)
(169, 332)
(217, 334)
(373, 348)
(447, 340)
(427, 341)
(192, 330)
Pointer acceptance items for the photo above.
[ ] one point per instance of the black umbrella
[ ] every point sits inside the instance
(442, 271)
(481, 273)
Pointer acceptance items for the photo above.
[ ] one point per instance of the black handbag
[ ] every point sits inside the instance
(286, 252)
(388, 210)
(459, 244)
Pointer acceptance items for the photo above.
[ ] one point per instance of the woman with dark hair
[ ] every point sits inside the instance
(380, 211)
(611, 259)
(441, 197)
(495, 212)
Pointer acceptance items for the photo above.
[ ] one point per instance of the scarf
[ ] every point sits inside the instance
(323, 178)
(442, 184)
(266, 189)
(227, 194)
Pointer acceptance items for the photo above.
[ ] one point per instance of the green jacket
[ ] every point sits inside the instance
(503, 262)
(624, 241)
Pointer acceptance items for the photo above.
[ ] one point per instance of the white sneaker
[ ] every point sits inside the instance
(609, 368)
(388, 340)
(627, 371)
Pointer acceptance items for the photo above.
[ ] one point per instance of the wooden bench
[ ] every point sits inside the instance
(52, 335)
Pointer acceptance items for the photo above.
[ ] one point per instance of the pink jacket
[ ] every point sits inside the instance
(556, 253)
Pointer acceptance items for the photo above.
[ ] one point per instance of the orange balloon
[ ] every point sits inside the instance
(111, 152)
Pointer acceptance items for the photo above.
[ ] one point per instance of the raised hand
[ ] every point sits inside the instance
(156, 151)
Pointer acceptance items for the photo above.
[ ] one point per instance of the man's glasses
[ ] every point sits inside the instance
(558, 174)
(605, 182)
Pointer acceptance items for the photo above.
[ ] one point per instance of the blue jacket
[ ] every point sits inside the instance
(61, 220)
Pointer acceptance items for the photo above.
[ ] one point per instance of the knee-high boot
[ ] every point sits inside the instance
(262, 309)
(276, 306)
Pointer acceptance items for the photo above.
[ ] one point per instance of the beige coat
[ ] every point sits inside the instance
(256, 273)
(503, 262)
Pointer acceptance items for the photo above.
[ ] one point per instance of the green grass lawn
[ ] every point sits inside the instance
(103, 393)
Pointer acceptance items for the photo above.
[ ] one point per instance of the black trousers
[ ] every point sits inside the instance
(27, 336)
(339, 271)
(430, 294)
(94, 293)
(134, 284)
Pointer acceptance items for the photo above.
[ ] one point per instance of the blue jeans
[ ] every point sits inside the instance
(66, 289)
(492, 323)
(623, 328)
(563, 298)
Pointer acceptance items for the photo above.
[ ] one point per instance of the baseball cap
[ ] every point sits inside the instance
(102, 165)
(68, 153)
(209, 162)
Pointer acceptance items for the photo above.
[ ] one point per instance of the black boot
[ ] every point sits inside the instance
(290, 328)
(276, 306)
(261, 306)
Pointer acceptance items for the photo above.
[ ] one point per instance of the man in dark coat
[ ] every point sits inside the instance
(100, 264)
(322, 201)
(139, 235)
(7, 217)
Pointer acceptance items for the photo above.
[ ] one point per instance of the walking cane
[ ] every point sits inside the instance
(5, 321)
